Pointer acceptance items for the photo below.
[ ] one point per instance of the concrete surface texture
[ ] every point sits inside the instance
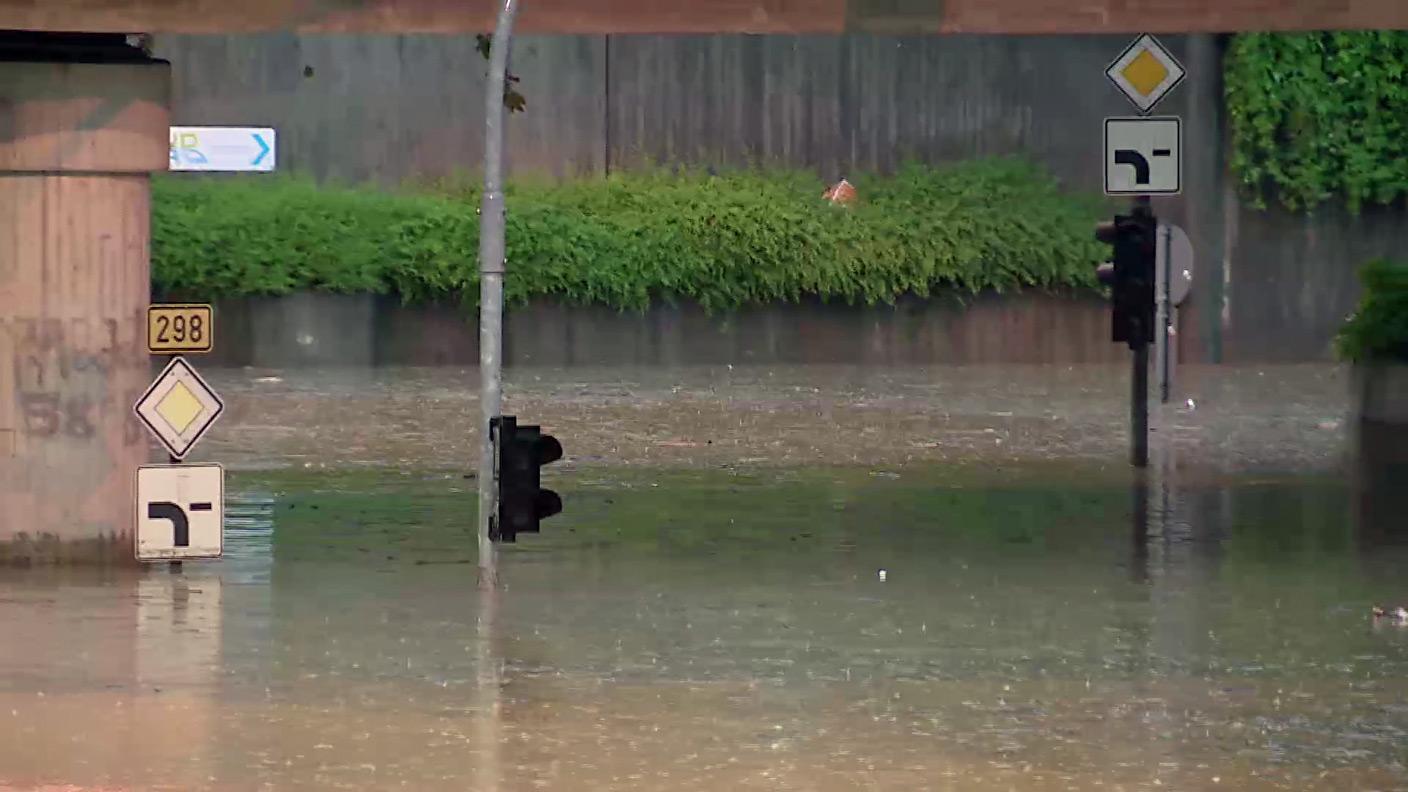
(311, 329)
(702, 16)
(77, 142)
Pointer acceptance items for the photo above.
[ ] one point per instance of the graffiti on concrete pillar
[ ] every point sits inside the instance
(47, 414)
(40, 413)
(61, 374)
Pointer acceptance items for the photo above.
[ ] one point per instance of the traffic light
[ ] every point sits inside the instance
(1130, 276)
(519, 455)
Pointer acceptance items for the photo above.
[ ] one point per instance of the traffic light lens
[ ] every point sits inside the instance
(548, 503)
(548, 450)
(1107, 231)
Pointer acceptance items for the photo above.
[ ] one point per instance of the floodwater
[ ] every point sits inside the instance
(1224, 418)
(1056, 623)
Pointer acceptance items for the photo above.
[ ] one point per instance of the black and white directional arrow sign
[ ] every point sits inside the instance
(1143, 156)
(180, 512)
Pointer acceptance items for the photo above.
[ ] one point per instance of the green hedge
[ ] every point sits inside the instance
(1378, 330)
(721, 240)
(1319, 116)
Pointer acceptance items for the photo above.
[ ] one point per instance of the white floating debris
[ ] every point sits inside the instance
(1192, 405)
(270, 380)
(882, 576)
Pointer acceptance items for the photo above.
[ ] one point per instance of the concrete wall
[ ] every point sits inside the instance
(389, 108)
(1269, 286)
(366, 330)
(1294, 278)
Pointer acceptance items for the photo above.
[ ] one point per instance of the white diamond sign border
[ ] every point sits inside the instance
(178, 446)
(1146, 104)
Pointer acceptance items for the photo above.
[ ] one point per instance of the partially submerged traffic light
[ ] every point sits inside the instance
(1130, 276)
(1131, 280)
(519, 455)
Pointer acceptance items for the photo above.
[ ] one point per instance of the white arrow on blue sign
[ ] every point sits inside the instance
(223, 149)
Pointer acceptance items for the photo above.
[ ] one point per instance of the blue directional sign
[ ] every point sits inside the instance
(249, 149)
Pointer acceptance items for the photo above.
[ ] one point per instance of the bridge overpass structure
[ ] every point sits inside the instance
(84, 120)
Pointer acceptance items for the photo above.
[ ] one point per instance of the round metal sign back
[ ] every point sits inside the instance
(1180, 257)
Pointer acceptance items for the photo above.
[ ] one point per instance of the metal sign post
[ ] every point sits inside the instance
(1162, 335)
(180, 508)
(1139, 384)
(1173, 282)
(1143, 156)
(491, 286)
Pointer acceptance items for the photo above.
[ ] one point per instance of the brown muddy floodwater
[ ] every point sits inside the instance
(1045, 620)
(1277, 418)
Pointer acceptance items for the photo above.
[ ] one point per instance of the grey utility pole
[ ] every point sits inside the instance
(491, 285)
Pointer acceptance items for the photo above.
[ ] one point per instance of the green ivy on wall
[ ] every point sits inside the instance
(1317, 117)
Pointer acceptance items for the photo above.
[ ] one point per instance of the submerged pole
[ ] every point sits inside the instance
(491, 284)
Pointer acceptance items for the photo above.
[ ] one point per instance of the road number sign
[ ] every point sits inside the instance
(1143, 156)
(180, 512)
(174, 329)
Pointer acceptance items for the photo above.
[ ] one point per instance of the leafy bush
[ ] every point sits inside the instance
(1378, 330)
(1320, 115)
(623, 241)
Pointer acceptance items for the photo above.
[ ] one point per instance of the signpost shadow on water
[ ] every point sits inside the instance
(488, 725)
(1171, 521)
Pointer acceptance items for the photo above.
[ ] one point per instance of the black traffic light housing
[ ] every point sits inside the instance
(519, 455)
(1130, 276)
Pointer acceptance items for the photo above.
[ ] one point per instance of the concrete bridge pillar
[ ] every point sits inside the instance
(83, 124)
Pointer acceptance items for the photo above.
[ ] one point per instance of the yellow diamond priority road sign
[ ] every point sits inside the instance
(179, 407)
(1146, 73)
